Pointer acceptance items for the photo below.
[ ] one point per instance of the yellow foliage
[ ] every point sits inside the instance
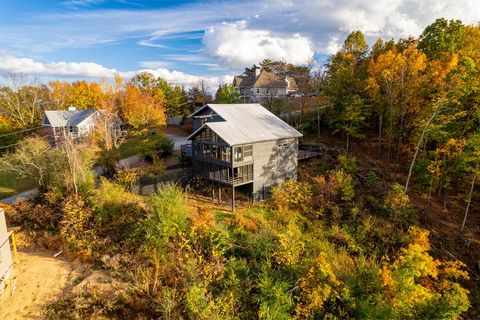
(290, 245)
(316, 287)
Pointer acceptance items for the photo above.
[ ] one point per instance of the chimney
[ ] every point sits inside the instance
(72, 108)
(257, 71)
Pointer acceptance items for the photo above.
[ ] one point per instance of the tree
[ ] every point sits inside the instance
(355, 44)
(24, 106)
(79, 94)
(227, 93)
(34, 159)
(394, 85)
(143, 108)
(442, 38)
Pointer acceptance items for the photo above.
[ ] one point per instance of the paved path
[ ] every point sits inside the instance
(29, 194)
(177, 139)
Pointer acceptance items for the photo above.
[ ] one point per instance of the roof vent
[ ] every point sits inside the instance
(72, 108)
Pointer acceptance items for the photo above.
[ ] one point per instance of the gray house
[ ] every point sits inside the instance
(243, 146)
(75, 123)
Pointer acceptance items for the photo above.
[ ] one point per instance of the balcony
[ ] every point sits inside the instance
(235, 181)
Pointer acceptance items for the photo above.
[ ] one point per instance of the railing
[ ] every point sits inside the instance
(186, 149)
(234, 180)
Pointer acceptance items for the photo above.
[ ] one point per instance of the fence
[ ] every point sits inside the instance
(148, 185)
(6, 261)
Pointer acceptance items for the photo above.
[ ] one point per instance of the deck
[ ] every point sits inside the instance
(306, 151)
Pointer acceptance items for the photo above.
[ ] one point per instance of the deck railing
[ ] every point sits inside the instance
(233, 180)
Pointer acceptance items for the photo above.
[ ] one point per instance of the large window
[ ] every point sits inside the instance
(226, 154)
(243, 153)
(248, 153)
(238, 154)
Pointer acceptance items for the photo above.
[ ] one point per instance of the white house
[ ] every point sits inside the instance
(261, 85)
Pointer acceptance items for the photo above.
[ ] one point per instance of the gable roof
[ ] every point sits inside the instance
(265, 79)
(246, 123)
(66, 118)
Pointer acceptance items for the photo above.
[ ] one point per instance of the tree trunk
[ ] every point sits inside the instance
(469, 199)
(416, 151)
(380, 135)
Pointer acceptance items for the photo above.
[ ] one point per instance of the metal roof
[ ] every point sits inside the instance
(67, 118)
(246, 123)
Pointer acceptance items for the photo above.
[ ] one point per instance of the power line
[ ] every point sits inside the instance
(16, 132)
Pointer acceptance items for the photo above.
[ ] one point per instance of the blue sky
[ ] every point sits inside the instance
(185, 41)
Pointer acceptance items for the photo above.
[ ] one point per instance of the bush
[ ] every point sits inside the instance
(347, 164)
(346, 186)
(76, 226)
(116, 208)
(108, 159)
(398, 207)
(167, 216)
(156, 146)
(33, 217)
(293, 195)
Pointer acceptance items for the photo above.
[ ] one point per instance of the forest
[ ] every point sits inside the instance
(349, 239)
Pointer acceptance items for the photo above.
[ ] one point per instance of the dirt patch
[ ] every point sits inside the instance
(36, 280)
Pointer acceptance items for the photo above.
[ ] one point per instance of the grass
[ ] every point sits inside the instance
(11, 184)
(131, 146)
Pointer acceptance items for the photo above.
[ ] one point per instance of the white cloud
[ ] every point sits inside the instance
(289, 30)
(238, 46)
(75, 70)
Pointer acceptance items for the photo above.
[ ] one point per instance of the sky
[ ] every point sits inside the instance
(186, 41)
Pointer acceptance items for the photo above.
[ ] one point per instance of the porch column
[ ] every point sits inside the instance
(233, 198)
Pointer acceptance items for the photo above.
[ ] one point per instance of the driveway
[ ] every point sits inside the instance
(178, 137)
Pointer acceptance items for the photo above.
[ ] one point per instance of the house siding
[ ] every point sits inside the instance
(274, 162)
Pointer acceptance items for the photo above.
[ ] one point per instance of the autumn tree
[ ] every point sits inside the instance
(143, 108)
(23, 106)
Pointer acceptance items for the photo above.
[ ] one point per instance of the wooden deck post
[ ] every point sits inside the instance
(219, 194)
(233, 198)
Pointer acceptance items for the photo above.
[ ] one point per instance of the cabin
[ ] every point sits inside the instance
(262, 85)
(243, 146)
(75, 123)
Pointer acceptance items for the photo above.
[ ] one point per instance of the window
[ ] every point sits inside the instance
(226, 154)
(203, 120)
(215, 153)
(268, 91)
(258, 90)
(238, 154)
(206, 150)
(247, 153)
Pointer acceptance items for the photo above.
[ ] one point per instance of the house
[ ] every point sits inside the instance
(6, 262)
(75, 123)
(243, 146)
(264, 85)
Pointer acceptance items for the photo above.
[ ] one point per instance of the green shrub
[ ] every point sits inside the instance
(156, 146)
(115, 207)
(346, 186)
(398, 207)
(167, 216)
(347, 164)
